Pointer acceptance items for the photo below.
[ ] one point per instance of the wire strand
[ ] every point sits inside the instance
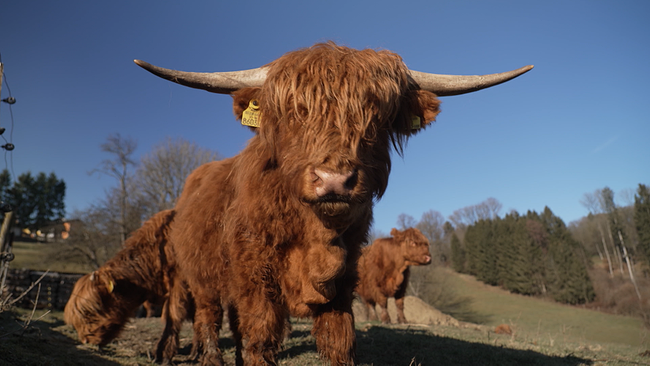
(11, 130)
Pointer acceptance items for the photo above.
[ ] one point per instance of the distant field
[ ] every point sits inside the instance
(535, 318)
(42, 257)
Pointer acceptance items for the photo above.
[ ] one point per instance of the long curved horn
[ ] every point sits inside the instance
(446, 85)
(228, 82)
(215, 82)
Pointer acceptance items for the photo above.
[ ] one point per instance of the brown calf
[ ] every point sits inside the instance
(103, 301)
(384, 270)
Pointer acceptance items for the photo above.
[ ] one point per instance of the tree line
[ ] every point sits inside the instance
(532, 254)
(142, 188)
(34, 200)
(537, 254)
(618, 232)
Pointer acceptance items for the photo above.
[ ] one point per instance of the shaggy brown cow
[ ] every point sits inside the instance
(103, 301)
(277, 230)
(384, 270)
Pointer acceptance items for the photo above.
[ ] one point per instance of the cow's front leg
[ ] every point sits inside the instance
(370, 307)
(176, 308)
(399, 297)
(168, 343)
(334, 327)
(261, 328)
(335, 337)
(383, 305)
(233, 318)
(207, 323)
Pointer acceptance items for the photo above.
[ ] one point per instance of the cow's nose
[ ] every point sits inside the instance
(331, 183)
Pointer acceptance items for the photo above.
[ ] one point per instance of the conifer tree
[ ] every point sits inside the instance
(505, 246)
(536, 251)
(487, 249)
(642, 221)
(5, 185)
(35, 201)
(567, 275)
(472, 254)
(457, 254)
(525, 266)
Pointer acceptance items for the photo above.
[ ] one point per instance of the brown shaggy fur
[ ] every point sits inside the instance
(103, 301)
(384, 270)
(503, 329)
(252, 235)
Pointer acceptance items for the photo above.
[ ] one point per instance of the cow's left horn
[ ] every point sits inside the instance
(215, 82)
(445, 85)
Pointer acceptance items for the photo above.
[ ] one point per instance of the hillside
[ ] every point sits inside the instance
(542, 317)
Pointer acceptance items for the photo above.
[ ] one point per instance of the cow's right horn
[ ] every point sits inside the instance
(446, 85)
(215, 82)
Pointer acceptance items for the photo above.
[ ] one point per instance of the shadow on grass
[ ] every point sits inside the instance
(299, 342)
(386, 346)
(40, 344)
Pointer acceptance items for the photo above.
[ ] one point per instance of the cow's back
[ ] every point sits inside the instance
(199, 212)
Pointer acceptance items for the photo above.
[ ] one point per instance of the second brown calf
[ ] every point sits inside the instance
(143, 271)
(384, 270)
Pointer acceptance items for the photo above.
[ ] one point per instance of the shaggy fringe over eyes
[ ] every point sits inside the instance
(357, 92)
(85, 299)
(142, 264)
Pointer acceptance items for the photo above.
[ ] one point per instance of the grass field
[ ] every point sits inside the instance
(536, 318)
(42, 257)
(544, 333)
(50, 342)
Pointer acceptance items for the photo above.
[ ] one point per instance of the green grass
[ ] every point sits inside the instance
(44, 256)
(538, 318)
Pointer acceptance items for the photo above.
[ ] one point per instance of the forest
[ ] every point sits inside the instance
(601, 261)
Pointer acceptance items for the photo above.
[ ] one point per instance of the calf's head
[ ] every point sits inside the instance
(99, 307)
(414, 246)
(329, 116)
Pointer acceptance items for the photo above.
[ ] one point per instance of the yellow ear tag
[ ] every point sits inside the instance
(415, 123)
(111, 286)
(251, 116)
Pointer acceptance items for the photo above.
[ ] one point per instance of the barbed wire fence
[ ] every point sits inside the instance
(6, 212)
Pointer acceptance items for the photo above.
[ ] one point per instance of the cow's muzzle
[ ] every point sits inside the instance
(334, 186)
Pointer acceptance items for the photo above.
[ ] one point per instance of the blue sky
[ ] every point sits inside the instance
(575, 123)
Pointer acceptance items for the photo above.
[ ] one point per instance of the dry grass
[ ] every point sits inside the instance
(543, 333)
(50, 342)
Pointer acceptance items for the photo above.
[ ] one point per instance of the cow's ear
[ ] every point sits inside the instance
(419, 110)
(241, 100)
(104, 282)
(394, 232)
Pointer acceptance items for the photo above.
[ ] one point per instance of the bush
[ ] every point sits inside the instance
(616, 295)
(433, 285)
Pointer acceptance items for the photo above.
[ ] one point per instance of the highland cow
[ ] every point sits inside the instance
(143, 271)
(277, 230)
(384, 270)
